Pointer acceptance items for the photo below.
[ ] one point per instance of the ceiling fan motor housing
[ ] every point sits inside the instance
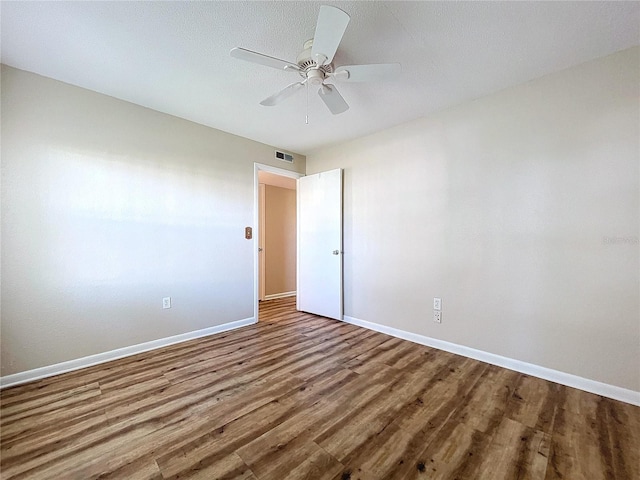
(309, 68)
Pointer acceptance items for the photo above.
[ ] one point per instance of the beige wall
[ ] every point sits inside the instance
(520, 210)
(280, 240)
(106, 208)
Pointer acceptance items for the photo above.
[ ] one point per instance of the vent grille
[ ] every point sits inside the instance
(285, 157)
(308, 64)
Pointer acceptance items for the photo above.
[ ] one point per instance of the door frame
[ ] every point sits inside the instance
(257, 167)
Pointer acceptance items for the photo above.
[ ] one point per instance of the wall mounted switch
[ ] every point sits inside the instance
(166, 302)
(437, 303)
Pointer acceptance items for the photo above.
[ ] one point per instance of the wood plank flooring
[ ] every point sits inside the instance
(298, 396)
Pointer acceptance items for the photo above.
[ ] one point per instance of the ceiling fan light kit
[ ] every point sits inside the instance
(315, 63)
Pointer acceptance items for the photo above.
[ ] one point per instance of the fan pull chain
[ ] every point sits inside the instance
(306, 114)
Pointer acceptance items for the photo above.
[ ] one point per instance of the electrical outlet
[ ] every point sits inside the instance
(437, 316)
(166, 302)
(437, 303)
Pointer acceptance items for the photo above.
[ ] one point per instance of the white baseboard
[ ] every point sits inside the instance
(592, 386)
(273, 296)
(69, 366)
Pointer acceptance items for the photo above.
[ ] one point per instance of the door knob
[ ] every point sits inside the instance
(336, 252)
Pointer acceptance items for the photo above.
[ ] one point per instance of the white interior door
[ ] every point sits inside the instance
(319, 288)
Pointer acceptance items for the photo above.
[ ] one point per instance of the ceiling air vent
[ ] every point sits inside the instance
(285, 157)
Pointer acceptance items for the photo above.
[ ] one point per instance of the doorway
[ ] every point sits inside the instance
(275, 253)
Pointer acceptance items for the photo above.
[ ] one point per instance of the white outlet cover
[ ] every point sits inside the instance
(166, 302)
(437, 316)
(437, 303)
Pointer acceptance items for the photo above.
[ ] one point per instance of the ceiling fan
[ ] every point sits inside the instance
(314, 63)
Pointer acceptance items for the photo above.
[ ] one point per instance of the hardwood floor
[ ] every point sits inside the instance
(298, 396)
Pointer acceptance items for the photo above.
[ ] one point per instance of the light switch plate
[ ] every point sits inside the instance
(437, 303)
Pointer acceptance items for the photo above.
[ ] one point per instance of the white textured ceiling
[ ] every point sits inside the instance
(174, 56)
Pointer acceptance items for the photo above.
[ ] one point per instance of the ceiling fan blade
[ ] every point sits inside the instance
(286, 92)
(332, 99)
(255, 57)
(367, 73)
(332, 23)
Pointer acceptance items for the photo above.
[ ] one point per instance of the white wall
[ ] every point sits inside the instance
(106, 208)
(506, 208)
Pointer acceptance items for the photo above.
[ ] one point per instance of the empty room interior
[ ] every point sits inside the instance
(320, 240)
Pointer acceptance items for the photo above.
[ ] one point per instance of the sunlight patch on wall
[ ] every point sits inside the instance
(114, 220)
